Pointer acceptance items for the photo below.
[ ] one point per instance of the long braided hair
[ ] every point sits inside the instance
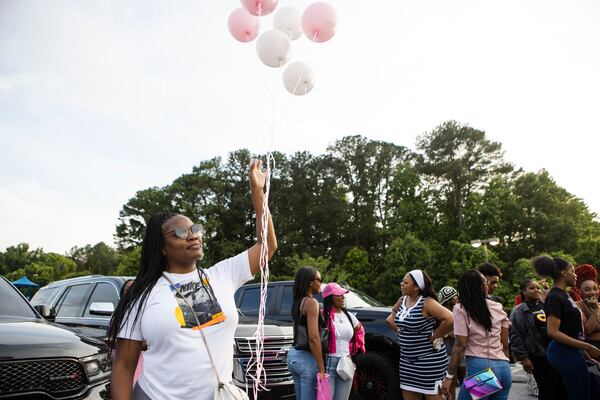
(304, 276)
(152, 265)
(472, 297)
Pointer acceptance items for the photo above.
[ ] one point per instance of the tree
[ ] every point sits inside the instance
(136, 212)
(356, 271)
(366, 170)
(47, 268)
(404, 254)
(130, 262)
(295, 262)
(102, 259)
(552, 219)
(16, 257)
(459, 161)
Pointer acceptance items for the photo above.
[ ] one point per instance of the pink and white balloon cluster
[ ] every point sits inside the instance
(273, 46)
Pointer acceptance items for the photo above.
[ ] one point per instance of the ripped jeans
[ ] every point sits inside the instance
(304, 371)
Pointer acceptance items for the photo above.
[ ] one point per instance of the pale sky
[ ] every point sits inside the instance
(100, 99)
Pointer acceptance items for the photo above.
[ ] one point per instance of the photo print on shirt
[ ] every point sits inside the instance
(204, 303)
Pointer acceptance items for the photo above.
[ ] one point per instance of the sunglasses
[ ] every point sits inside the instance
(182, 231)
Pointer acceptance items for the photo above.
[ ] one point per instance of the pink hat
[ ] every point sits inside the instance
(333, 288)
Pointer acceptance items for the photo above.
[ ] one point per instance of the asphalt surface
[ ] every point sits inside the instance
(519, 389)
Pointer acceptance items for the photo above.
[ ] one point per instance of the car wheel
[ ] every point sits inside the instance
(376, 377)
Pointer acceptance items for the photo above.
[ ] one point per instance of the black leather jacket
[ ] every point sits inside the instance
(525, 338)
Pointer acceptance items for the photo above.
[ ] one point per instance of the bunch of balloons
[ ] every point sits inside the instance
(317, 22)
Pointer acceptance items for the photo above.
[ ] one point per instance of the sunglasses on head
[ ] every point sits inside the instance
(182, 231)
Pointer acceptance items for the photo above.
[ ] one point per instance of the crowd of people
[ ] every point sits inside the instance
(464, 338)
(180, 316)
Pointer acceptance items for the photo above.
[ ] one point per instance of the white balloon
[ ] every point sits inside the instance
(288, 20)
(299, 78)
(273, 48)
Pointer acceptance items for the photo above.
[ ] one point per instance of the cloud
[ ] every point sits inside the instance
(13, 82)
(45, 218)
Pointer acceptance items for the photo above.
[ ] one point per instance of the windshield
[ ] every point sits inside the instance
(12, 304)
(43, 296)
(355, 299)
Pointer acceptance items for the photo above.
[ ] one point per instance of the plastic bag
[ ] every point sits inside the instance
(323, 391)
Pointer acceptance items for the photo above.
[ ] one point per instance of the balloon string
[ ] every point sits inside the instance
(255, 370)
(291, 100)
(256, 361)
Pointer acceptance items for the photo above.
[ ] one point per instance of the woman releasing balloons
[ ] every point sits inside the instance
(181, 310)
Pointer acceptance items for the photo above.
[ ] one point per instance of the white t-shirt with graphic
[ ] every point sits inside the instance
(176, 364)
(343, 333)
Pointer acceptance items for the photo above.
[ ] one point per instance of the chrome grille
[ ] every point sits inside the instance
(246, 345)
(274, 362)
(59, 378)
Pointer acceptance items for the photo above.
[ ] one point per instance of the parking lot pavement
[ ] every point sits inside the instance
(518, 390)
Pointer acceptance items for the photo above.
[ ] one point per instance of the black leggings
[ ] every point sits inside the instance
(550, 383)
(139, 394)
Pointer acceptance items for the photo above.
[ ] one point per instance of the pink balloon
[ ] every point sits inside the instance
(243, 26)
(259, 7)
(318, 22)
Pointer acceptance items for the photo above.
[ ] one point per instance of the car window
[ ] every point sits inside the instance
(12, 304)
(103, 293)
(251, 301)
(72, 302)
(286, 301)
(43, 296)
(357, 299)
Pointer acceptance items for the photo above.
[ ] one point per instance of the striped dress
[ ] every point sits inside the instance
(422, 368)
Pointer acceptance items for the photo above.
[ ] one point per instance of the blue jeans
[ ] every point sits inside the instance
(340, 388)
(304, 371)
(501, 370)
(570, 364)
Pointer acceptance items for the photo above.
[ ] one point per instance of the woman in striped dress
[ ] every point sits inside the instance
(423, 359)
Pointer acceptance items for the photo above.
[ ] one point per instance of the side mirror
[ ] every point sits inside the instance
(105, 309)
(46, 311)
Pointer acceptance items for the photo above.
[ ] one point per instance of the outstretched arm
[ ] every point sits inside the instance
(257, 186)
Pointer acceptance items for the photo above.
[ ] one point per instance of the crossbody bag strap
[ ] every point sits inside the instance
(198, 323)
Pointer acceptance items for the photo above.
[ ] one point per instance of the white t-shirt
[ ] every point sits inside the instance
(176, 364)
(343, 333)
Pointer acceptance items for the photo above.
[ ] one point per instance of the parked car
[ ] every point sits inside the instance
(43, 360)
(85, 304)
(376, 376)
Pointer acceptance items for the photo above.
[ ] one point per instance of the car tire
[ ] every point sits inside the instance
(376, 377)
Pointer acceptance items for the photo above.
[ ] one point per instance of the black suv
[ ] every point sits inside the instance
(85, 305)
(377, 370)
(42, 360)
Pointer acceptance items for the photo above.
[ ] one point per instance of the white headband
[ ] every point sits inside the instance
(417, 275)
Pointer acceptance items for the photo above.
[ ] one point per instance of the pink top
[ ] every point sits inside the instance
(479, 342)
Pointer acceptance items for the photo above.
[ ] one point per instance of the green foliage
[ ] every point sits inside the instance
(130, 262)
(99, 259)
(364, 212)
(459, 160)
(46, 268)
(588, 250)
(355, 270)
(295, 262)
(404, 254)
